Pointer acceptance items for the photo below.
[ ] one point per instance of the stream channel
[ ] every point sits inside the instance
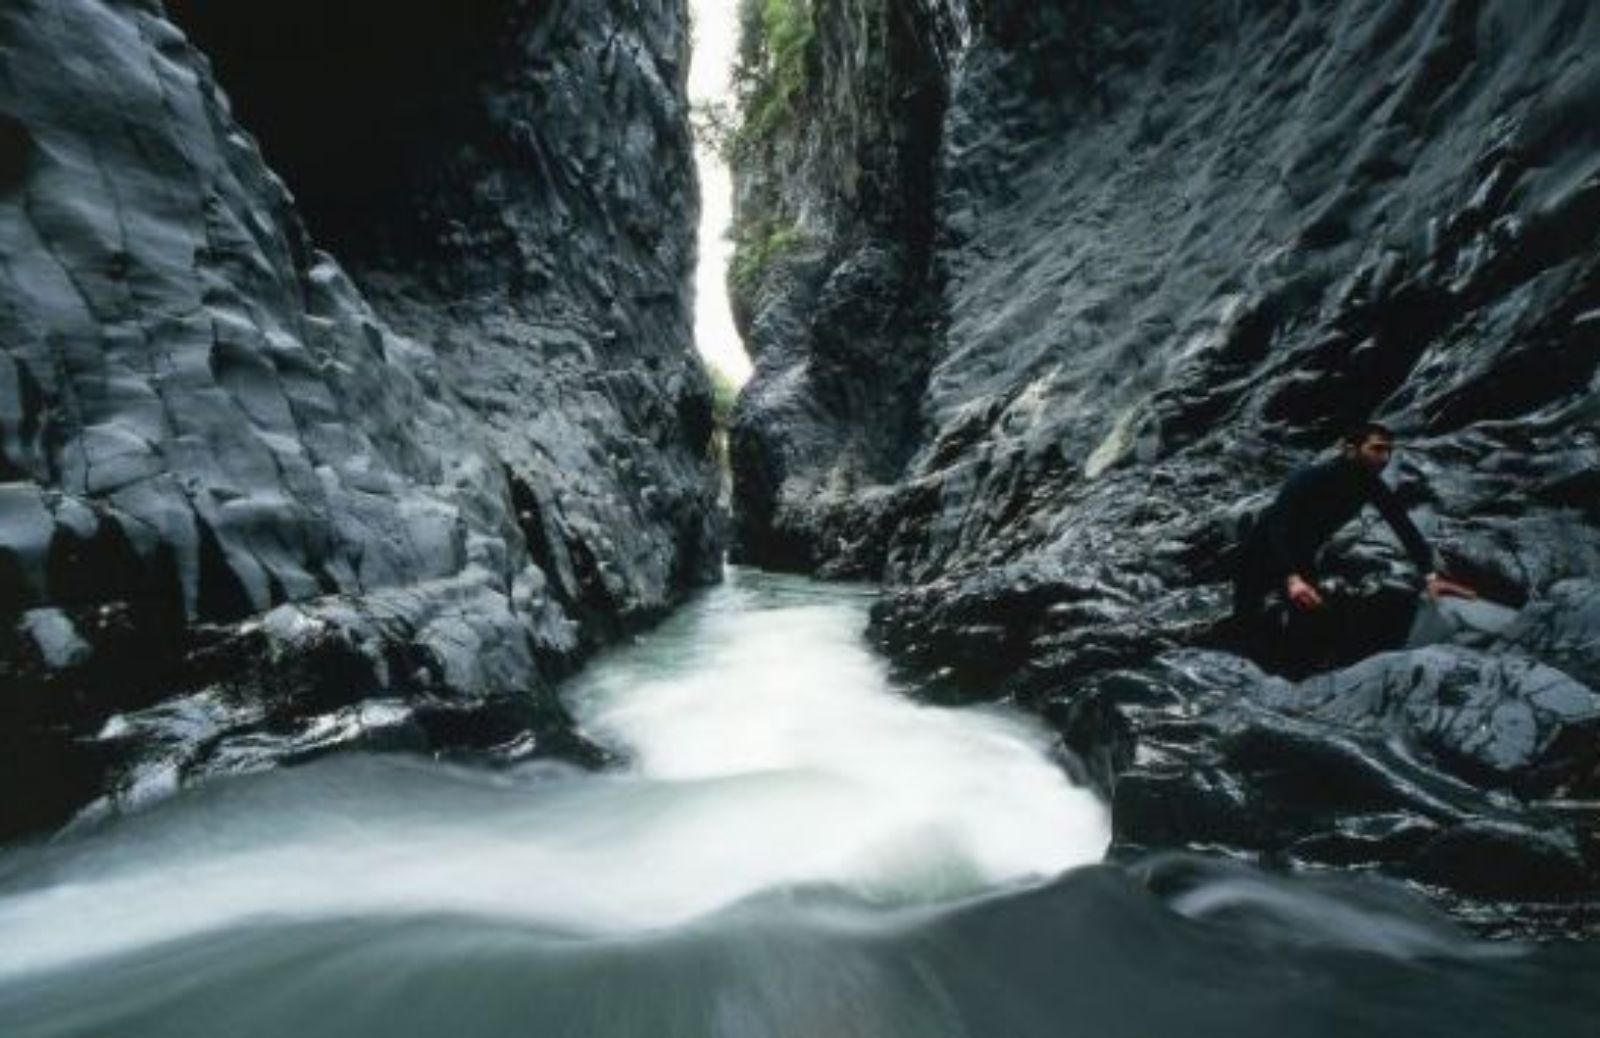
(788, 846)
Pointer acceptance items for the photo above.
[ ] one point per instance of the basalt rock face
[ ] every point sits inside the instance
(258, 500)
(1176, 248)
(831, 285)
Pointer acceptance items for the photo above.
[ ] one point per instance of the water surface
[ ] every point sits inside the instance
(790, 847)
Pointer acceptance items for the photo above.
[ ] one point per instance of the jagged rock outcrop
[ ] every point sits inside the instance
(1175, 249)
(258, 500)
(832, 276)
(1468, 771)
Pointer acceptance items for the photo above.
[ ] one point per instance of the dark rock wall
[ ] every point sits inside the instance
(1177, 247)
(834, 228)
(247, 488)
(520, 198)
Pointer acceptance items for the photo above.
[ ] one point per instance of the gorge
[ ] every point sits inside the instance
(251, 485)
(1044, 298)
(364, 622)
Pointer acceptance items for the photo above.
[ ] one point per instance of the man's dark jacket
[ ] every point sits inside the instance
(1312, 504)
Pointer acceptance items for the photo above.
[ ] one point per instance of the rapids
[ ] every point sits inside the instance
(786, 845)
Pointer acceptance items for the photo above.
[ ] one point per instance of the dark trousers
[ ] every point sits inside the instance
(1254, 576)
(1250, 591)
(1295, 643)
(1265, 627)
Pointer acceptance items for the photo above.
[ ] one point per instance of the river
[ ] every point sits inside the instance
(787, 846)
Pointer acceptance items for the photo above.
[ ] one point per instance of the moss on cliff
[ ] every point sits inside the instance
(756, 251)
(771, 75)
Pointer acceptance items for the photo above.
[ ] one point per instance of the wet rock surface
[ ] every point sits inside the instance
(1175, 249)
(832, 286)
(1343, 767)
(257, 499)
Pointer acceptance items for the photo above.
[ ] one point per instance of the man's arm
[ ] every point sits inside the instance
(1395, 515)
(1281, 518)
(1416, 545)
(1284, 516)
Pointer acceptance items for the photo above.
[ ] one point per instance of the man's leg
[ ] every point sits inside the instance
(1249, 598)
(1251, 629)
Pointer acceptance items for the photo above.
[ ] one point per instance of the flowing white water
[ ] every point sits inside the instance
(783, 853)
(765, 751)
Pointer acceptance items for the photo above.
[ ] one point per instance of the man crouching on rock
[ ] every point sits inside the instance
(1278, 552)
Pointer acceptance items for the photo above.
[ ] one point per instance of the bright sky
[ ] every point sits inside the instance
(716, 30)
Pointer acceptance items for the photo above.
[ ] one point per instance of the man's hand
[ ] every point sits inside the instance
(1442, 587)
(1302, 593)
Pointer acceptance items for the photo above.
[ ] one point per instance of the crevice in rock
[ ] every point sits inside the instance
(1179, 250)
(357, 104)
(220, 596)
(16, 145)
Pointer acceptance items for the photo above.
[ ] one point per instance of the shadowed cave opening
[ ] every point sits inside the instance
(359, 105)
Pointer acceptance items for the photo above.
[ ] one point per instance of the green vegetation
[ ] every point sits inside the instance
(754, 254)
(775, 44)
(715, 125)
(771, 78)
(789, 30)
(724, 394)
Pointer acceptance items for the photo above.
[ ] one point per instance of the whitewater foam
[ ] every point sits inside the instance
(765, 749)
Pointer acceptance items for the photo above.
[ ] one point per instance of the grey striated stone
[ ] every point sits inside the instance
(55, 638)
(416, 460)
(1497, 719)
(1412, 763)
(1153, 256)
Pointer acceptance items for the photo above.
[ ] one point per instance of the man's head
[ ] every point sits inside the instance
(1369, 444)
